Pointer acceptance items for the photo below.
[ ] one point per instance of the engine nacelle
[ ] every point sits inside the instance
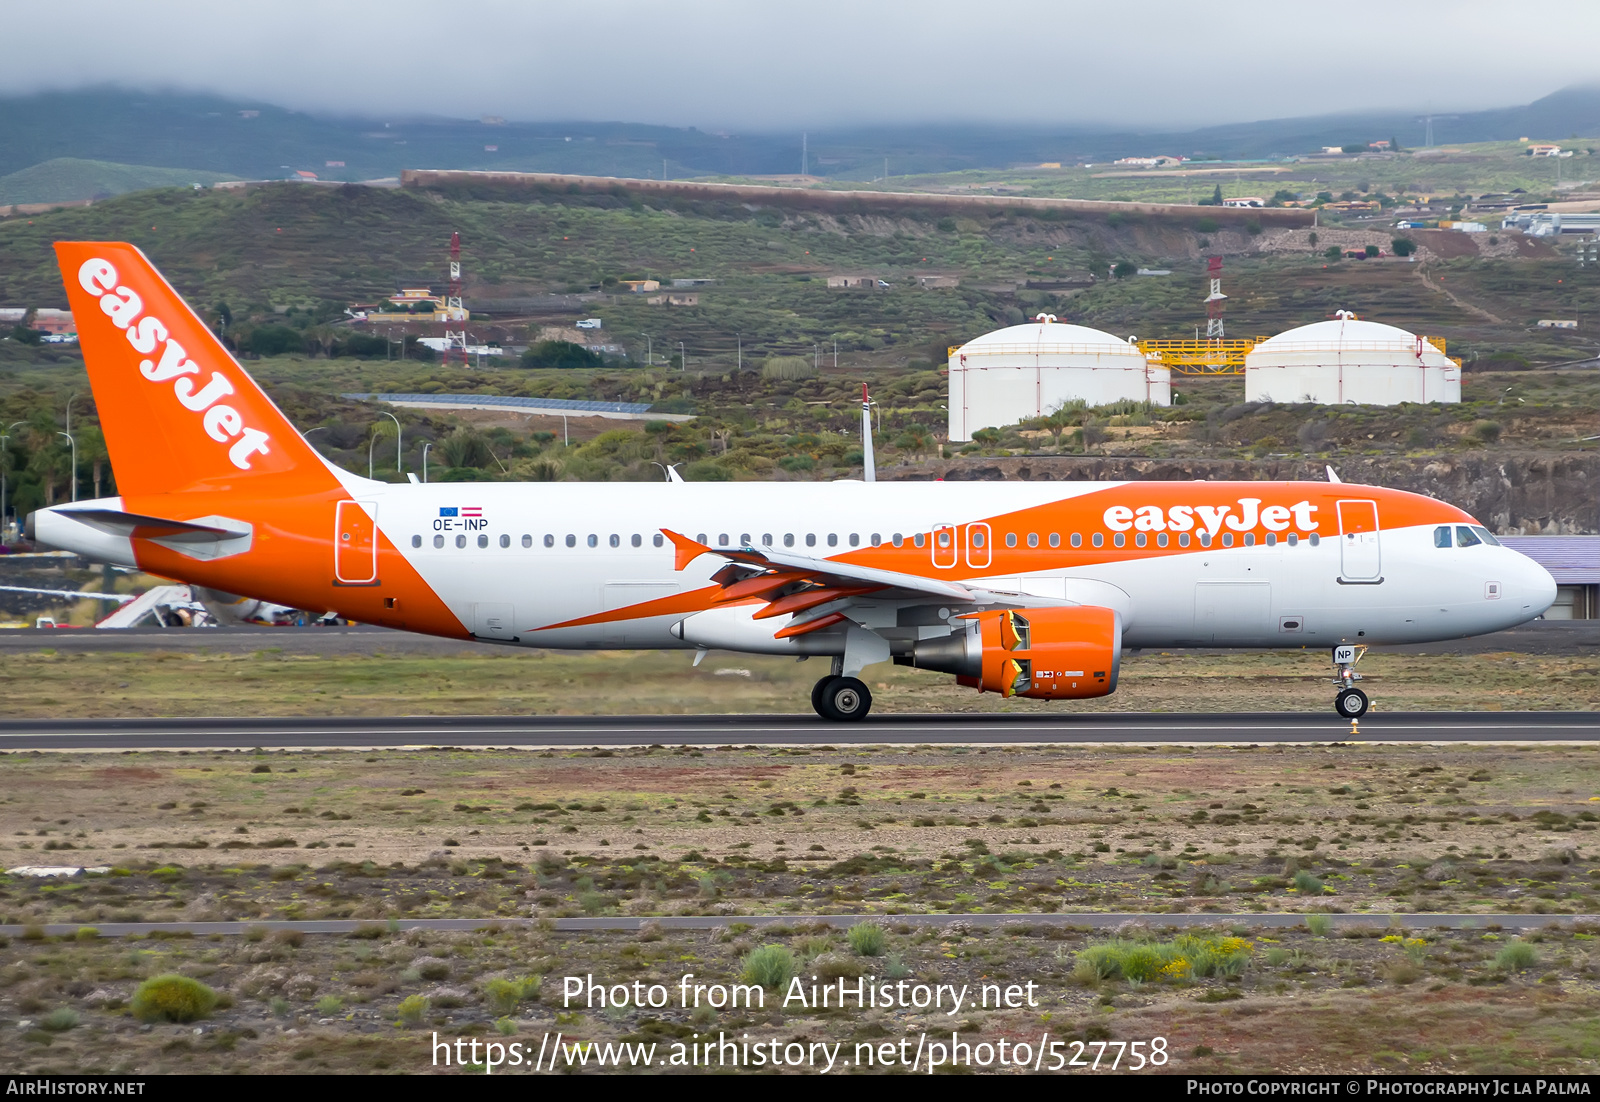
(1045, 653)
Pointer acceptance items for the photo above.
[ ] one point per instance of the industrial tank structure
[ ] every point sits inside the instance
(1031, 370)
(1349, 361)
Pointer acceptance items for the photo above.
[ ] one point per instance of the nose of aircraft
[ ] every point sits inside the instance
(1529, 587)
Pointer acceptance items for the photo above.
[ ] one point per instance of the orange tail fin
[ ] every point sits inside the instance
(177, 412)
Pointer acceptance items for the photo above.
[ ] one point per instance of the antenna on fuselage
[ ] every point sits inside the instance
(869, 468)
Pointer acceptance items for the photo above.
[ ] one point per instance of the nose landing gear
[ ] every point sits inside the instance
(1350, 702)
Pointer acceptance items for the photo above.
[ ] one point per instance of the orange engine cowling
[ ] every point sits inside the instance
(1049, 653)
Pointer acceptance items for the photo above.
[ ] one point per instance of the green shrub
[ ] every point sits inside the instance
(506, 1026)
(868, 939)
(172, 998)
(770, 966)
(502, 995)
(1516, 956)
(561, 354)
(59, 1020)
(329, 1005)
(87, 933)
(1319, 924)
(412, 1008)
(788, 368)
(1307, 884)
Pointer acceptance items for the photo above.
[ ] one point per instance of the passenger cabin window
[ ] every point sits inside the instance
(1315, 539)
(416, 541)
(637, 540)
(572, 541)
(1441, 536)
(897, 539)
(1033, 539)
(766, 539)
(483, 539)
(461, 541)
(876, 539)
(1119, 539)
(1055, 539)
(744, 539)
(1465, 537)
(593, 540)
(977, 538)
(1183, 539)
(1205, 539)
(788, 539)
(833, 539)
(615, 540)
(1099, 540)
(855, 540)
(1293, 539)
(505, 541)
(1227, 539)
(1161, 539)
(1077, 540)
(1249, 539)
(1272, 539)
(1139, 540)
(438, 541)
(701, 538)
(919, 539)
(549, 540)
(527, 541)
(811, 539)
(658, 539)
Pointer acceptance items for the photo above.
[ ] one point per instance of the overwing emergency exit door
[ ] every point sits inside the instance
(355, 543)
(1360, 557)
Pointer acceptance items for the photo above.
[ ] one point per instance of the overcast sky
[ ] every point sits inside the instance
(773, 66)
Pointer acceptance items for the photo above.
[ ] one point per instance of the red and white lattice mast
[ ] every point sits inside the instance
(454, 312)
(1214, 300)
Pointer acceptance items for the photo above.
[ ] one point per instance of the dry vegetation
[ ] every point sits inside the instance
(876, 832)
(52, 684)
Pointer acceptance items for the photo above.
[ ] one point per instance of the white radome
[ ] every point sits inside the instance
(1348, 361)
(1030, 370)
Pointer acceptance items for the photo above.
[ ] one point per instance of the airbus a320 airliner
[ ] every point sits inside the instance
(1026, 589)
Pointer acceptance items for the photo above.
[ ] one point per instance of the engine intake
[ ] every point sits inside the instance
(1045, 653)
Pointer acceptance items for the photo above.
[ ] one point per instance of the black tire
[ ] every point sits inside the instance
(816, 695)
(846, 700)
(1350, 703)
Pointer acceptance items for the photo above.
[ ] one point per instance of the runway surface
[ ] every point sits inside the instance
(1095, 921)
(548, 732)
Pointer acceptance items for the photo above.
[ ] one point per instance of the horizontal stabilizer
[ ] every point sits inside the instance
(136, 525)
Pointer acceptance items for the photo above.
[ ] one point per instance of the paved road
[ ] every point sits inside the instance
(789, 730)
(714, 922)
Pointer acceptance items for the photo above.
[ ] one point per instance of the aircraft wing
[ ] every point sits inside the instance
(794, 583)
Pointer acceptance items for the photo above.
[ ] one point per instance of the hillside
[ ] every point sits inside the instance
(67, 178)
(257, 140)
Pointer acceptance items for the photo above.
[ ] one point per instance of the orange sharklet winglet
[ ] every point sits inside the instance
(685, 550)
(808, 626)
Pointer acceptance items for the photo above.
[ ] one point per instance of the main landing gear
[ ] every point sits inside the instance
(1350, 702)
(842, 699)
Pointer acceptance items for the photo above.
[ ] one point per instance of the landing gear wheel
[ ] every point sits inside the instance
(845, 699)
(816, 695)
(1350, 703)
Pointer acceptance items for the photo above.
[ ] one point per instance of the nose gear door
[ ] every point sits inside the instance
(1360, 557)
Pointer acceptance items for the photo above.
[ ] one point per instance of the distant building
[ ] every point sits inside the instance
(1540, 149)
(57, 323)
(1245, 201)
(1333, 149)
(840, 281)
(1463, 227)
(693, 282)
(1574, 562)
(1381, 143)
(674, 298)
(639, 286)
(1557, 323)
(1349, 361)
(1549, 223)
(302, 174)
(1353, 206)
(938, 281)
(1050, 164)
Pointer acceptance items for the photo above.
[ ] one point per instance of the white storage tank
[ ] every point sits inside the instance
(1029, 370)
(1347, 361)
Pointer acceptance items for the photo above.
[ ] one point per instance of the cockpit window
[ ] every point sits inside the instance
(1485, 535)
(1441, 536)
(1465, 537)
